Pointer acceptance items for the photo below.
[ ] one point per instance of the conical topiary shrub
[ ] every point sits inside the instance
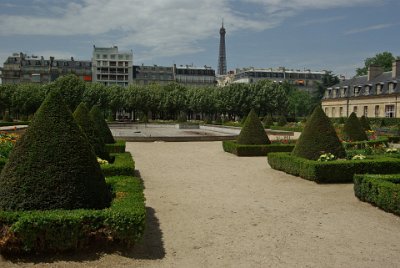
(365, 123)
(252, 132)
(85, 121)
(282, 121)
(268, 121)
(318, 137)
(101, 125)
(353, 130)
(53, 165)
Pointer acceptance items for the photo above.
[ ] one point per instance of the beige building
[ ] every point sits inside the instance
(374, 95)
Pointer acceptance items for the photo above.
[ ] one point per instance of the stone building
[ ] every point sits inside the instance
(194, 76)
(376, 94)
(144, 75)
(21, 68)
(302, 79)
(111, 67)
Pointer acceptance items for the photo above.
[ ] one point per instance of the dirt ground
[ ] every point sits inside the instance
(207, 208)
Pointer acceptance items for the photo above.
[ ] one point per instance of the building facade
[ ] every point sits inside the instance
(374, 95)
(111, 67)
(194, 76)
(21, 68)
(303, 79)
(143, 75)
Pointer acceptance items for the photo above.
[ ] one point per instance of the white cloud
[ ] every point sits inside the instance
(164, 28)
(369, 28)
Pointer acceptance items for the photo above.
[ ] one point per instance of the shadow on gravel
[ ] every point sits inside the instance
(151, 247)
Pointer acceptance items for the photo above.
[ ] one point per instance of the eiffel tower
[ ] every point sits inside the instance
(222, 52)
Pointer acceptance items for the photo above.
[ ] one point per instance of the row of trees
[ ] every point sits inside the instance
(163, 101)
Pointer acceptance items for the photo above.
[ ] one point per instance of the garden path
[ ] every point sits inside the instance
(208, 208)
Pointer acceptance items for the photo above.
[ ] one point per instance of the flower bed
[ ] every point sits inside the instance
(383, 142)
(255, 150)
(64, 230)
(338, 171)
(7, 142)
(380, 190)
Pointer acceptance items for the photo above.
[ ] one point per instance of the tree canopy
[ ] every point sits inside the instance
(384, 59)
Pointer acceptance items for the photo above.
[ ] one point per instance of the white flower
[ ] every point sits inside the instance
(358, 157)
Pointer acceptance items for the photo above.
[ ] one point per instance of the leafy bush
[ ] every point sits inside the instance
(380, 190)
(318, 137)
(338, 171)
(353, 130)
(255, 150)
(3, 161)
(65, 230)
(86, 123)
(252, 132)
(117, 147)
(123, 165)
(52, 165)
(101, 125)
(383, 141)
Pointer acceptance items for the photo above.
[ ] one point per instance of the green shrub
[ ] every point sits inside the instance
(117, 147)
(3, 162)
(243, 120)
(101, 125)
(282, 121)
(7, 118)
(182, 118)
(268, 121)
(144, 119)
(255, 150)
(252, 132)
(123, 165)
(338, 171)
(52, 165)
(86, 123)
(353, 131)
(394, 139)
(380, 190)
(71, 88)
(365, 123)
(218, 120)
(318, 137)
(288, 128)
(382, 123)
(65, 230)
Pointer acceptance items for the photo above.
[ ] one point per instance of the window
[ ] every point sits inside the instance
(356, 91)
(355, 109)
(389, 111)
(105, 56)
(333, 112)
(112, 56)
(366, 111)
(391, 87)
(378, 89)
(376, 110)
(366, 90)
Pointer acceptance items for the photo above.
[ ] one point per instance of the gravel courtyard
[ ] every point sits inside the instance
(207, 208)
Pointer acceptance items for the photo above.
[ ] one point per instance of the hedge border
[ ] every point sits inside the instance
(255, 150)
(123, 165)
(339, 171)
(117, 147)
(361, 144)
(382, 191)
(64, 230)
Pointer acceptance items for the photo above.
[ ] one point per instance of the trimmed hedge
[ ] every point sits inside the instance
(64, 230)
(287, 128)
(252, 132)
(255, 150)
(353, 129)
(3, 161)
(361, 144)
(123, 165)
(117, 147)
(380, 190)
(338, 171)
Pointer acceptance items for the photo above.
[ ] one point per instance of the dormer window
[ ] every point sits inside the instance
(344, 91)
(391, 87)
(356, 90)
(367, 89)
(379, 88)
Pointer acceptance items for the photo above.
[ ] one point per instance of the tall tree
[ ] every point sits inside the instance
(383, 59)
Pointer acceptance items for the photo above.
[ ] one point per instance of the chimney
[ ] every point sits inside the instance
(374, 71)
(396, 69)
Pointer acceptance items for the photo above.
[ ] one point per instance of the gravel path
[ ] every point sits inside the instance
(208, 208)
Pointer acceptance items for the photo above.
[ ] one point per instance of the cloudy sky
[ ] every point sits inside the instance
(332, 35)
